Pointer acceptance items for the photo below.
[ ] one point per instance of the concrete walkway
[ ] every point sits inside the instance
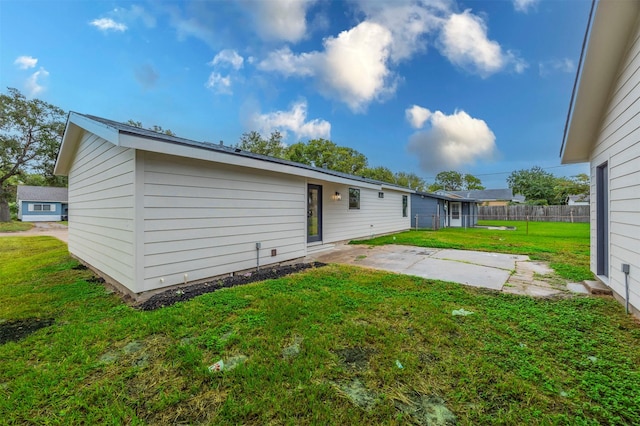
(509, 273)
(51, 229)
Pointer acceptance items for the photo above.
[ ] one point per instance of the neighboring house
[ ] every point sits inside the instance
(434, 211)
(604, 130)
(578, 200)
(148, 210)
(42, 203)
(490, 197)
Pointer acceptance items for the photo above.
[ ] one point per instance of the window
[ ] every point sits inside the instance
(41, 207)
(405, 205)
(354, 198)
(380, 194)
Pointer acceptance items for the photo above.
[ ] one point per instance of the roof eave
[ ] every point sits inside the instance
(610, 31)
(76, 124)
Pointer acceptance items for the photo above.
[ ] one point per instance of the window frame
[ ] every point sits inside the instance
(354, 195)
(405, 206)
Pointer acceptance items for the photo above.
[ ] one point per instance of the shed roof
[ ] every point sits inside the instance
(113, 130)
(445, 197)
(42, 193)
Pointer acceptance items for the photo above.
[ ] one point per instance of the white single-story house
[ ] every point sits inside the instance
(434, 211)
(149, 211)
(603, 128)
(41, 203)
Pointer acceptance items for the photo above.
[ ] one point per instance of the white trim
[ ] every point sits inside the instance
(41, 218)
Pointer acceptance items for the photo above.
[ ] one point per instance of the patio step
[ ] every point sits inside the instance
(597, 287)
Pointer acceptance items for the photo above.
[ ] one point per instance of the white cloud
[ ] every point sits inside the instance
(25, 62)
(289, 64)
(228, 56)
(464, 42)
(524, 5)
(219, 83)
(294, 121)
(352, 68)
(34, 82)
(417, 116)
(408, 21)
(281, 20)
(452, 141)
(108, 24)
(556, 65)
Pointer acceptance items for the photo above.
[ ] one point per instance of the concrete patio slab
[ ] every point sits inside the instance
(514, 274)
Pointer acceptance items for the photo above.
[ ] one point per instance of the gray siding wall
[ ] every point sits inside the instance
(203, 219)
(426, 208)
(101, 200)
(376, 215)
(619, 145)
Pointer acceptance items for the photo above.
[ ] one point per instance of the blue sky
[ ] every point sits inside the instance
(480, 87)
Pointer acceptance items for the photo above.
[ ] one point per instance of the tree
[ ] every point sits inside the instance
(380, 173)
(30, 134)
(455, 181)
(154, 128)
(574, 185)
(254, 142)
(324, 153)
(535, 184)
(410, 180)
(471, 183)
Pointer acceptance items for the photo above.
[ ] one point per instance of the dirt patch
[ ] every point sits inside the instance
(426, 410)
(171, 297)
(15, 330)
(357, 393)
(355, 358)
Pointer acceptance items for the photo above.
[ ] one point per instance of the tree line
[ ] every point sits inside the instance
(325, 153)
(31, 131)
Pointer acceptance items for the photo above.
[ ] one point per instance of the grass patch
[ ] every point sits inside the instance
(564, 245)
(15, 226)
(516, 360)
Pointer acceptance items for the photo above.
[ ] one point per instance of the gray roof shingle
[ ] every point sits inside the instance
(43, 193)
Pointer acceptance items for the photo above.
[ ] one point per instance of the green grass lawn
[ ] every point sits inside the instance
(564, 245)
(516, 360)
(15, 226)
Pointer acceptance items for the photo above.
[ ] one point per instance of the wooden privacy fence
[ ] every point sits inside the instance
(535, 213)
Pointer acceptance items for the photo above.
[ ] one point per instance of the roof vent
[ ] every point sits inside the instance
(238, 150)
(221, 143)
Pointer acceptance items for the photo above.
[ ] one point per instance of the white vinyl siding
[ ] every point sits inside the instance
(376, 215)
(101, 208)
(204, 219)
(618, 144)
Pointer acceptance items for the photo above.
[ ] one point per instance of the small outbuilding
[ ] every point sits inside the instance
(149, 210)
(42, 203)
(490, 197)
(435, 211)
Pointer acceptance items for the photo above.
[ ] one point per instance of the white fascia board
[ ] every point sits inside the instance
(154, 145)
(76, 124)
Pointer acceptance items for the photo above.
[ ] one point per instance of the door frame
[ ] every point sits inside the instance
(318, 237)
(602, 220)
(458, 221)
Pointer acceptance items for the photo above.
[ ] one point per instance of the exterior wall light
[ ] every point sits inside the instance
(337, 196)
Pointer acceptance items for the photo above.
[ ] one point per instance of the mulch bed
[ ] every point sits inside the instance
(181, 294)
